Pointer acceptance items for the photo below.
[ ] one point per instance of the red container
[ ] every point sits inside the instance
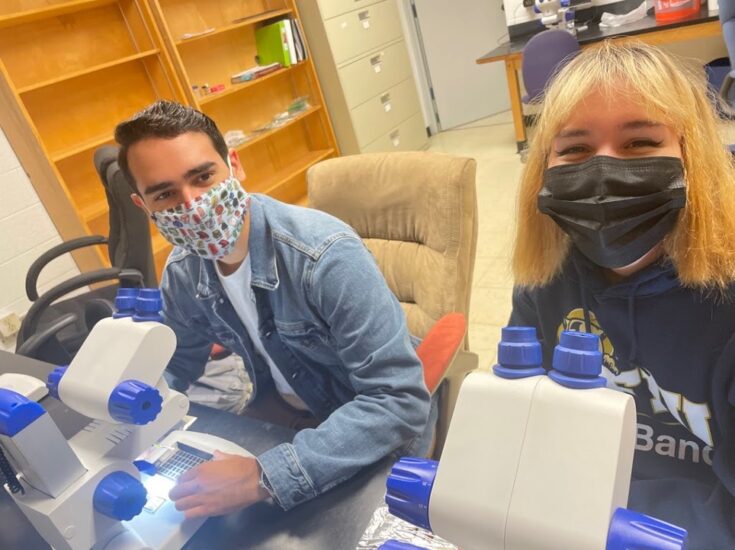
(675, 10)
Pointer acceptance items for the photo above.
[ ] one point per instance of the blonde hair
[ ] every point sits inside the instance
(702, 245)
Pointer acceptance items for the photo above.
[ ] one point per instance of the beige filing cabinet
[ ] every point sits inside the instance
(360, 56)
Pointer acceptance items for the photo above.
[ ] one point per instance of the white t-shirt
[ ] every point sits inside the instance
(237, 288)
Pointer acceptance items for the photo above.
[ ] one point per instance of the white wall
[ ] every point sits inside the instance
(26, 231)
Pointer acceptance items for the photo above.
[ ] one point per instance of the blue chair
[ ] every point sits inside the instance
(543, 56)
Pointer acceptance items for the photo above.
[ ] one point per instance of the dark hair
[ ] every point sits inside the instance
(164, 119)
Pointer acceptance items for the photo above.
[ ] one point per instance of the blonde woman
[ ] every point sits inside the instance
(626, 228)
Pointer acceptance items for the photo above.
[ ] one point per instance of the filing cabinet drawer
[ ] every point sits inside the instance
(332, 8)
(384, 111)
(374, 73)
(362, 30)
(410, 135)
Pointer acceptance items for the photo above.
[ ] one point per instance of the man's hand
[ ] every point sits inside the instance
(223, 485)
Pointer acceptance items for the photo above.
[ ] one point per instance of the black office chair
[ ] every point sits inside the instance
(53, 331)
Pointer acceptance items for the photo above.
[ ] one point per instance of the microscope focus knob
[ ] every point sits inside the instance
(134, 402)
(630, 529)
(53, 379)
(577, 361)
(125, 302)
(148, 305)
(120, 496)
(409, 488)
(519, 353)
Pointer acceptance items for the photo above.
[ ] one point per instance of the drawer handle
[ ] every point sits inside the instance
(386, 101)
(377, 62)
(364, 17)
(395, 137)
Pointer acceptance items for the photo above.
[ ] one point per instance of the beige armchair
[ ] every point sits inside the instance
(417, 213)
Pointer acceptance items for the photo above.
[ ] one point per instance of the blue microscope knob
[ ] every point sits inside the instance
(409, 488)
(134, 402)
(17, 412)
(398, 545)
(119, 496)
(519, 353)
(630, 529)
(148, 305)
(53, 379)
(125, 301)
(577, 361)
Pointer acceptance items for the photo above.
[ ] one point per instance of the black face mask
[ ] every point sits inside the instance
(615, 210)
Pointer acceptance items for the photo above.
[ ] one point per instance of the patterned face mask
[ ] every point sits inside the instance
(208, 225)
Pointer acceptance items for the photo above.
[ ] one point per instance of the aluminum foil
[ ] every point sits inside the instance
(383, 527)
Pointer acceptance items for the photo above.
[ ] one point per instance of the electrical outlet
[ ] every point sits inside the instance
(9, 325)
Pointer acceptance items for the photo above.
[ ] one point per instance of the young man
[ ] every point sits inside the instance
(294, 292)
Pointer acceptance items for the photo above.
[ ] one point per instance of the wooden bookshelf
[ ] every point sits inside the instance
(276, 159)
(69, 72)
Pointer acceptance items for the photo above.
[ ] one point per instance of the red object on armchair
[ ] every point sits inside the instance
(439, 347)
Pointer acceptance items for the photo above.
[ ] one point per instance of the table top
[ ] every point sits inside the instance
(336, 519)
(595, 34)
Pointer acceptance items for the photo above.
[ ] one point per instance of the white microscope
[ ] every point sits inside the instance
(533, 462)
(550, 10)
(106, 487)
(558, 14)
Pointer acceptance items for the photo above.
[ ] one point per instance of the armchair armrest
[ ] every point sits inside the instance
(441, 344)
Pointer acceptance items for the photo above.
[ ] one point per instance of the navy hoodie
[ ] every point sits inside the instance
(672, 348)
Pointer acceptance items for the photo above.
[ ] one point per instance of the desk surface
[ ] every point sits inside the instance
(335, 520)
(595, 34)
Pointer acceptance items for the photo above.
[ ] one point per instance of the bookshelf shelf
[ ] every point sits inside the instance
(247, 22)
(88, 71)
(82, 147)
(47, 12)
(235, 88)
(269, 133)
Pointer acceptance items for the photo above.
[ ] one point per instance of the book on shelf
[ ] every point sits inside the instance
(280, 42)
(298, 40)
(271, 42)
(290, 40)
(254, 72)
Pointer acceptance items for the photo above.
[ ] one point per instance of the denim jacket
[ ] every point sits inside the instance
(332, 327)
